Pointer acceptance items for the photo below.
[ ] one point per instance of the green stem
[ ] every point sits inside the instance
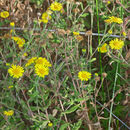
(116, 76)
(100, 60)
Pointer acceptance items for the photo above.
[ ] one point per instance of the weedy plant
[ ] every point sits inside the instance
(55, 78)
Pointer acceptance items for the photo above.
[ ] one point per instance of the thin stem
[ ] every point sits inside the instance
(116, 76)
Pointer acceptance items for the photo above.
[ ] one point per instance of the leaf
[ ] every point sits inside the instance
(44, 124)
(72, 109)
(81, 99)
(59, 67)
(64, 126)
(85, 14)
(92, 60)
(77, 125)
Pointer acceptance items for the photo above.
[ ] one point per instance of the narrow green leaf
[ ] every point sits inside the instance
(85, 14)
(64, 126)
(59, 67)
(44, 124)
(72, 109)
(77, 125)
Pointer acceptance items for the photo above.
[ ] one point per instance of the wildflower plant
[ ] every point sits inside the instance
(63, 65)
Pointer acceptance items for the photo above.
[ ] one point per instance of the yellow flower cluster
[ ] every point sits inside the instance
(16, 71)
(9, 113)
(115, 44)
(4, 14)
(41, 66)
(19, 41)
(113, 19)
(84, 75)
(47, 15)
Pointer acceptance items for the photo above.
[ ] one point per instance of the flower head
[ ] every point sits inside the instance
(116, 44)
(84, 50)
(123, 33)
(12, 24)
(16, 71)
(43, 61)
(108, 2)
(19, 41)
(11, 86)
(45, 17)
(9, 113)
(84, 75)
(56, 6)
(7, 64)
(79, 38)
(114, 20)
(4, 14)
(31, 61)
(25, 54)
(96, 74)
(50, 124)
(110, 31)
(41, 70)
(103, 48)
(75, 33)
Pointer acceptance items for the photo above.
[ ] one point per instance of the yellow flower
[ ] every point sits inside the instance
(7, 64)
(108, 2)
(103, 48)
(84, 75)
(30, 61)
(114, 20)
(43, 61)
(116, 44)
(19, 41)
(75, 33)
(84, 50)
(12, 24)
(45, 17)
(56, 6)
(16, 71)
(124, 34)
(96, 74)
(79, 38)
(10, 86)
(25, 54)
(4, 14)
(110, 31)
(43, 20)
(41, 70)
(50, 124)
(9, 113)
